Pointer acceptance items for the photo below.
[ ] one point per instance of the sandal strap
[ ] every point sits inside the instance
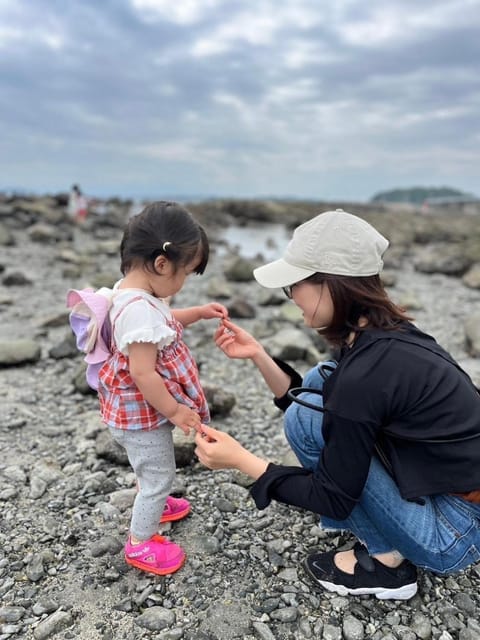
(364, 560)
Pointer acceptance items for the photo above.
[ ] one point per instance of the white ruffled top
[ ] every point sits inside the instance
(144, 320)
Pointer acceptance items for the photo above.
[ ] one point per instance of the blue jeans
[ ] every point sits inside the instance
(442, 535)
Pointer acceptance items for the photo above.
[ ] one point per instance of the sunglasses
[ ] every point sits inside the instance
(288, 291)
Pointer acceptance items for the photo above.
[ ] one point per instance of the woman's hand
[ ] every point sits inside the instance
(236, 342)
(213, 310)
(217, 450)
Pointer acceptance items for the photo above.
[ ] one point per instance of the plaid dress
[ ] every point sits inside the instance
(121, 403)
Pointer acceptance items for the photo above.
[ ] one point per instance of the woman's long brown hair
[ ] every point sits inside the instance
(354, 298)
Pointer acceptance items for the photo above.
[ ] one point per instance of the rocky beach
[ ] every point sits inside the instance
(66, 490)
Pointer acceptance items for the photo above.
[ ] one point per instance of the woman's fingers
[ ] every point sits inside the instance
(210, 433)
(230, 325)
(204, 440)
(222, 338)
(222, 332)
(223, 341)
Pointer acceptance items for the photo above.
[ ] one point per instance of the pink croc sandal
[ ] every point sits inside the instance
(175, 509)
(157, 555)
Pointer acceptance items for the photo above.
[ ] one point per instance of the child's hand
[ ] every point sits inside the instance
(185, 419)
(213, 310)
(236, 342)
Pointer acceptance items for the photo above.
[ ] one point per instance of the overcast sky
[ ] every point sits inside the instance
(323, 99)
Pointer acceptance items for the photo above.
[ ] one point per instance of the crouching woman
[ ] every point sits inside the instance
(388, 435)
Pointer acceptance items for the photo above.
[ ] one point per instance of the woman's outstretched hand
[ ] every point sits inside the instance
(218, 450)
(236, 342)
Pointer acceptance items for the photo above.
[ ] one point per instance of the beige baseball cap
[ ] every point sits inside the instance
(334, 242)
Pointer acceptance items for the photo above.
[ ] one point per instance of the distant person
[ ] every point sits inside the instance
(392, 453)
(77, 204)
(150, 384)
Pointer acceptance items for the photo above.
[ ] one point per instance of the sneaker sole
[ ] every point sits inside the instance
(173, 517)
(144, 566)
(401, 593)
(405, 592)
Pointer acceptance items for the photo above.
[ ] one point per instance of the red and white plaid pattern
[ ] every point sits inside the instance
(123, 406)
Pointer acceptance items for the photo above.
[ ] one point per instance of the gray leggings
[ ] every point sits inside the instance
(152, 457)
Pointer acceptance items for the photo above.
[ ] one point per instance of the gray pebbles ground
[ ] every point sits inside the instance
(65, 508)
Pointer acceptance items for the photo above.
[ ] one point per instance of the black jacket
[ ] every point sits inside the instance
(400, 391)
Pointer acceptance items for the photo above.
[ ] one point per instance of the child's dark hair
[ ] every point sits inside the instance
(163, 228)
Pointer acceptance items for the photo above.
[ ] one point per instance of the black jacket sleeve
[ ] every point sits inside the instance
(299, 487)
(295, 381)
(335, 487)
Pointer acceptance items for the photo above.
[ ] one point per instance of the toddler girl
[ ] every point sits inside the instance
(150, 383)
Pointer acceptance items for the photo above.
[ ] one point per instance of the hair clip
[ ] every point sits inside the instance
(165, 245)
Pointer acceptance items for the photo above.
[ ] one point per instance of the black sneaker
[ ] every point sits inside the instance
(370, 576)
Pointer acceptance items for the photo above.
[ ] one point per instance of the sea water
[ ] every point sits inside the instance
(267, 240)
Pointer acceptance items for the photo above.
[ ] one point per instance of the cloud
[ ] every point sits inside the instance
(239, 97)
(186, 12)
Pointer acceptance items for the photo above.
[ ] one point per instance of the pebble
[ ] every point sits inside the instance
(171, 634)
(287, 614)
(44, 606)
(52, 625)
(15, 473)
(263, 631)
(465, 603)
(211, 545)
(8, 630)
(11, 614)
(353, 629)
(331, 632)
(106, 545)
(35, 570)
(421, 626)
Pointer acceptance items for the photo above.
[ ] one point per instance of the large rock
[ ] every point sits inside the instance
(240, 270)
(17, 352)
(219, 401)
(240, 308)
(472, 277)
(184, 447)
(270, 297)
(446, 259)
(101, 279)
(6, 237)
(45, 233)
(292, 344)
(108, 449)
(42, 209)
(156, 618)
(52, 625)
(219, 288)
(80, 381)
(16, 279)
(66, 348)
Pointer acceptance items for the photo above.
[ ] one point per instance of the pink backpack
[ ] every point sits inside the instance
(90, 322)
